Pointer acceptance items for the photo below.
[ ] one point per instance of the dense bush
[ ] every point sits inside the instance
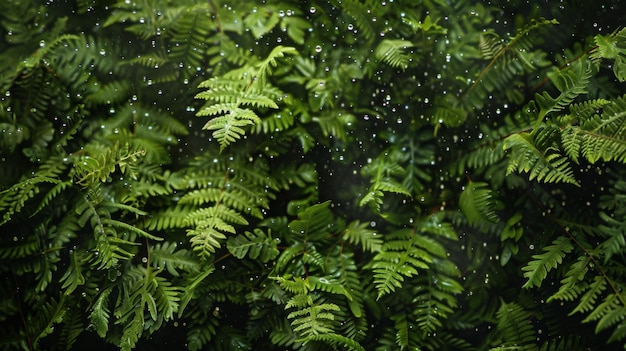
(312, 175)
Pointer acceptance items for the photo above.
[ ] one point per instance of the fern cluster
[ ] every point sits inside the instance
(343, 175)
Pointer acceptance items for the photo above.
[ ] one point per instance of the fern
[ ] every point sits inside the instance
(599, 136)
(255, 245)
(358, 233)
(189, 31)
(546, 165)
(382, 172)
(167, 256)
(571, 82)
(227, 98)
(478, 204)
(100, 313)
(51, 313)
(403, 255)
(390, 52)
(507, 60)
(340, 219)
(515, 331)
(537, 270)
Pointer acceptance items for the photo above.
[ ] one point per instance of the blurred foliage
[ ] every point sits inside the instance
(312, 175)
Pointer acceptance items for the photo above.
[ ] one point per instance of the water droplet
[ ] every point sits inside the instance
(318, 48)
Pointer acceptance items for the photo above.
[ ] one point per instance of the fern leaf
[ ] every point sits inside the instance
(361, 13)
(398, 259)
(167, 256)
(339, 340)
(229, 128)
(478, 204)
(513, 328)
(167, 297)
(571, 82)
(358, 233)
(51, 313)
(287, 256)
(313, 320)
(588, 300)
(611, 318)
(264, 67)
(132, 332)
(391, 52)
(74, 277)
(526, 157)
(599, 135)
(100, 313)
(208, 234)
(537, 269)
(190, 33)
(619, 333)
(313, 222)
(168, 218)
(571, 287)
(228, 97)
(129, 227)
(256, 245)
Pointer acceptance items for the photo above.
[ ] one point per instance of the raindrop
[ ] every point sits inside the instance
(312, 9)
(318, 48)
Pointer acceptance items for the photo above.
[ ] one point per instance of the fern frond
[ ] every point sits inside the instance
(490, 45)
(507, 60)
(513, 328)
(403, 255)
(42, 324)
(570, 82)
(189, 33)
(228, 97)
(361, 12)
(588, 299)
(100, 313)
(274, 123)
(384, 172)
(537, 270)
(168, 219)
(313, 320)
(358, 233)
(478, 204)
(167, 297)
(338, 340)
(264, 67)
(391, 52)
(208, 234)
(168, 256)
(571, 287)
(13, 199)
(111, 92)
(600, 136)
(544, 165)
(74, 277)
(256, 245)
(313, 222)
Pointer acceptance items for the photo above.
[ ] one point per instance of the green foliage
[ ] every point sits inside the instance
(366, 175)
(477, 203)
